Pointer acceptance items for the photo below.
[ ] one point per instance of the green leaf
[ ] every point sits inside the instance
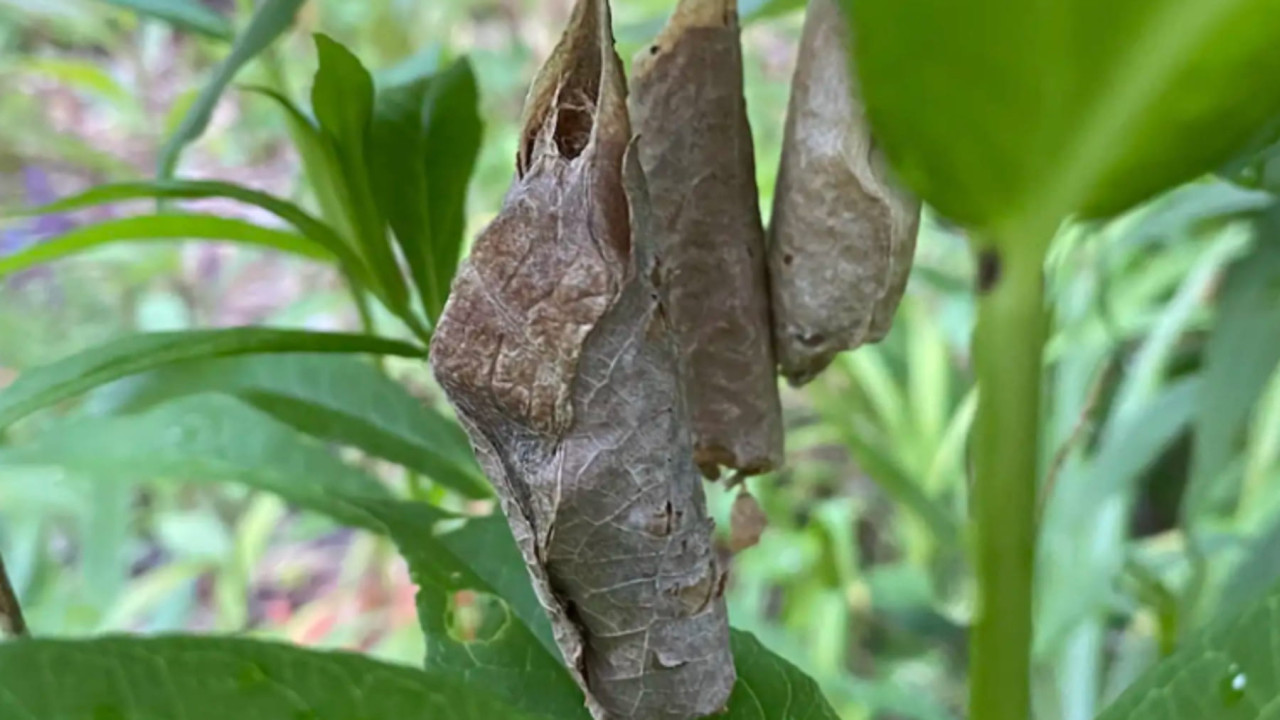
(204, 439)
(1228, 671)
(520, 663)
(426, 137)
(343, 100)
(1241, 354)
(207, 678)
(1009, 116)
(339, 399)
(319, 161)
(770, 688)
(150, 228)
(315, 230)
(270, 20)
(482, 556)
(191, 15)
(453, 131)
(44, 386)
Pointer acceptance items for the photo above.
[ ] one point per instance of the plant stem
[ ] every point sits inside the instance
(1008, 345)
(11, 619)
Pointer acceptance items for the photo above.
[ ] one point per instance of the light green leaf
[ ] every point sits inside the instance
(270, 20)
(207, 678)
(1239, 358)
(204, 439)
(337, 398)
(190, 15)
(151, 228)
(178, 189)
(343, 100)
(426, 136)
(1009, 116)
(319, 160)
(81, 75)
(44, 386)
(1228, 671)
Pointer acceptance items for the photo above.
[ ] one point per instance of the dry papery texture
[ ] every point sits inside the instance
(695, 146)
(843, 234)
(556, 352)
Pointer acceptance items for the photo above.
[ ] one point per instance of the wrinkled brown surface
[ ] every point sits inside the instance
(747, 522)
(556, 352)
(695, 146)
(843, 235)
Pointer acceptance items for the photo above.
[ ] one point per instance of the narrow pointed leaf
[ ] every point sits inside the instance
(44, 386)
(178, 189)
(269, 21)
(190, 15)
(168, 227)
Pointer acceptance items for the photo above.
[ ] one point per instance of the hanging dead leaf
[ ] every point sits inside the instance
(843, 234)
(556, 352)
(747, 522)
(695, 146)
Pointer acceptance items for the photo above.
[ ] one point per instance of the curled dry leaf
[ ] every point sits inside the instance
(557, 354)
(843, 234)
(695, 146)
(747, 522)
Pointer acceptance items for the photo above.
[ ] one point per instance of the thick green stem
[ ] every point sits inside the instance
(1007, 349)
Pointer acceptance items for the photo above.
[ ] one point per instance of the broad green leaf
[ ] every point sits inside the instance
(452, 130)
(190, 15)
(1228, 671)
(343, 100)
(518, 664)
(44, 386)
(206, 678)
(482, 556)
(270, 20)
(177, 189)
(1241, 354)
(1010, 116)
(770, 688)
(151, 228)
(204, 439)
(337, 398)
(426, 136)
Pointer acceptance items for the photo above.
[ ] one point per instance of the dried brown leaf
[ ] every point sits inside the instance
(695, 146)
(843, 233)
(557, 354)
(747, 522)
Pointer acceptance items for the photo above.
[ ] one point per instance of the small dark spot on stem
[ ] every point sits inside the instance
(787, 259)
(988, 271)
(654, 49)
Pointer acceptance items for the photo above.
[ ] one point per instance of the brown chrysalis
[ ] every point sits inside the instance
(556, 352)
(695, 147)
(843, 235)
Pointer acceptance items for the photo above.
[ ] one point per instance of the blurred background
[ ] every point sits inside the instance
(1166, 322)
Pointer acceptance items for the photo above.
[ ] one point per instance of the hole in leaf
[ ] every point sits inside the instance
(475, 617)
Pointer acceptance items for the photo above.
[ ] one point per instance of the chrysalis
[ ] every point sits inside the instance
(695, 146)
(843, 235)
(557, 354)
